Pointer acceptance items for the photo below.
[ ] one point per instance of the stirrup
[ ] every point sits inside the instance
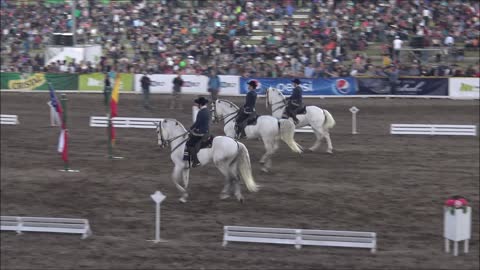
(195, 164)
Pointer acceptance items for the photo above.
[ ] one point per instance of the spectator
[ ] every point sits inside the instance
(392, 74)
(177, 90)
(214, 85)
(397, 45)
(146, 82)
(448, 41)
(145, 33)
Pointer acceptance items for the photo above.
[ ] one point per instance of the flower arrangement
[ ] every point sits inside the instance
(456, 202)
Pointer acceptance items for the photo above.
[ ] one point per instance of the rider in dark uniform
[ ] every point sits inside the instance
(198, 131)
(247, 112)
(294, 101)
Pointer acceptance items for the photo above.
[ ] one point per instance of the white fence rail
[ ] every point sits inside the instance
(421, 129)
(43, 224)
(124, 122)
(9, 119)
(299, 237)
(306, 129)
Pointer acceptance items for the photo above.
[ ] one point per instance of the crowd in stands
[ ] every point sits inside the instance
(165, 36)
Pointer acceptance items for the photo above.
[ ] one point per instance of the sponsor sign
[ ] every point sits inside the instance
(405, 86)
(310, 87)
(38, 81)
(163, 83)
(229, 84)
(464, 88)
(96, 82)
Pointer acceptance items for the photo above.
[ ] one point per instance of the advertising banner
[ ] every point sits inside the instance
(163, 83)
(311, 87)
(96, 81)
(38, 81)
(229, 84)
(405, 86)
(467, 88)
(86, 53)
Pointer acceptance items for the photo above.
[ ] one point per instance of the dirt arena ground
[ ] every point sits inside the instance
(392, 185)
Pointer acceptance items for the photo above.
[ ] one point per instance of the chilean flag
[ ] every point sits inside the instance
(63, 139)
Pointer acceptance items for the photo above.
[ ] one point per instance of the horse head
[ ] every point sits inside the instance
(160, 136)
(223, 109)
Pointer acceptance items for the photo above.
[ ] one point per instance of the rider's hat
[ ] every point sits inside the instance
(253, 83)
(201, 101)
(297, 81)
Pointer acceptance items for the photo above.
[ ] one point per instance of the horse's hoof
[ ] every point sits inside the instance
(310, 150)
(224, 196)
(330, 151)
(262, 161)
(241, 200)
(265, 170)
(183, 200)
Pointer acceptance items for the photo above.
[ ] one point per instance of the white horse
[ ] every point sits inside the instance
(319, 119)
(268, 128)
(229, 156)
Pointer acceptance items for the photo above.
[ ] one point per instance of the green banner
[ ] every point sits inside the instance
(38, 81)
(95, 82)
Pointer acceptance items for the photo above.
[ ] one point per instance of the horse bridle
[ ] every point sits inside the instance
(165, 142)
(281, 101)
(217, 119)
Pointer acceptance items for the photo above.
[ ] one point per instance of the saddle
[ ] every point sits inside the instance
(206, 142)
(252, 121)
(302, 110)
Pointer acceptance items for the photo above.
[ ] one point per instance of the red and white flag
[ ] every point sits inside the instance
(63, 139)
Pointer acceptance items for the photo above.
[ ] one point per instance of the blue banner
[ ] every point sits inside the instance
(311, 87)
(404, 86)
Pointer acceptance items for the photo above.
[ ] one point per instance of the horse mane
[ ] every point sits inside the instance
(229, 102)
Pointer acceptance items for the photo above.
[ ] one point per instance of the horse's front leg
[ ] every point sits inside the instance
(186, 177)
(176, 175)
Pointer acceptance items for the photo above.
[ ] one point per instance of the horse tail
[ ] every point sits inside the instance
(245, 168)
(329, 121)
(287, 133)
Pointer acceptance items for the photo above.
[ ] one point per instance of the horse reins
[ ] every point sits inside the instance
(168, 142)
(281, 101)
(224, 117)
(175, 148)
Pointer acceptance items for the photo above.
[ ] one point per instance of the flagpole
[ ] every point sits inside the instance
(63, 101)
(110, 146)
(108, 103)
(108, 92)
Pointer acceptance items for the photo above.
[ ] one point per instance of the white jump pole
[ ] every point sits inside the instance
(354, 110)
(194, 112)
(157, 197)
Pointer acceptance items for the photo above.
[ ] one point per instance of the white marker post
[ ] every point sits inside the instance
(157, 197)
(354, 110)
(195, 110)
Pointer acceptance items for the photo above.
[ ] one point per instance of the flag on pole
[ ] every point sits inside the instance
(115, 96)
(63, 138)
(114, 102)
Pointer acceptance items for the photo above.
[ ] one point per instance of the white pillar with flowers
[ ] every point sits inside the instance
(457, 223)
